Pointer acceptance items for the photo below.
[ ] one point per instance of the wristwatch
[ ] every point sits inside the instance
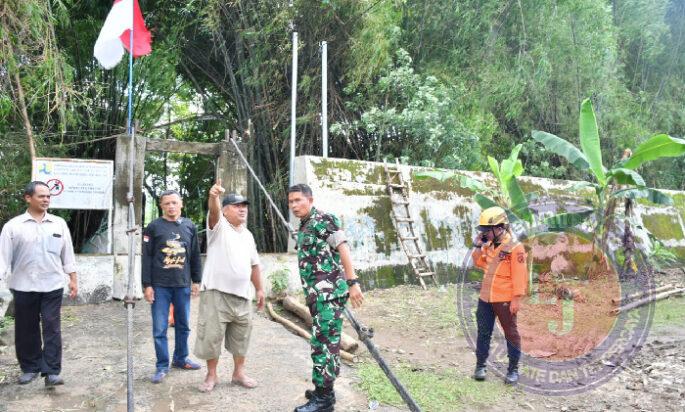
(351, 282)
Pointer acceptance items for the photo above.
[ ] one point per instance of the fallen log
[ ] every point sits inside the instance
(647, 300)
(301, 332)
(641, 293)
(347, 342)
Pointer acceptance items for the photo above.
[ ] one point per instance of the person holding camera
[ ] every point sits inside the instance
(503, 261)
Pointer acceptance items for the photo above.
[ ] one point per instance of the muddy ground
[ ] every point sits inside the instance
(417, 332)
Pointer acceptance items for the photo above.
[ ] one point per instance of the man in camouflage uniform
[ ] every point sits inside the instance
(321, 251)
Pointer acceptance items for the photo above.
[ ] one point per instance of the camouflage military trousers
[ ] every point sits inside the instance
(325, 342)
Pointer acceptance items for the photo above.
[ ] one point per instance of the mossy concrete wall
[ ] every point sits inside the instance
(444, 211)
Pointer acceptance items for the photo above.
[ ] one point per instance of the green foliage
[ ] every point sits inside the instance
(562, 148)
(660, 255)
(279, 280)
(406, 114)
(6, 323)
(611, 185)
(404, 81)
(589, 140)
(657, 147)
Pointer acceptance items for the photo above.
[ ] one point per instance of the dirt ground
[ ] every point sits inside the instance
(419, 328)
(414, 329)
(94, 368)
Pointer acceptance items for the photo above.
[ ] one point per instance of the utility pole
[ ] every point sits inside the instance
(293, 105)
(324, 98)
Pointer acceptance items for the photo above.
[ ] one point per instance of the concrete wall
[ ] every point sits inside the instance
(356, 192)
(95, 282)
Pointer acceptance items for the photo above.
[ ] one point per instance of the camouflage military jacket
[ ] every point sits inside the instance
(318, 258)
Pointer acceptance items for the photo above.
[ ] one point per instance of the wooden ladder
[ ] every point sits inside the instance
(398, 191)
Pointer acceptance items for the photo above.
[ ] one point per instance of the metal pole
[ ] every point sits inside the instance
(324, 98)
(293, 111)
(128, 300)
(365, 334)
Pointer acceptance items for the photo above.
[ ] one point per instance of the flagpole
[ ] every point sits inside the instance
(130, 294)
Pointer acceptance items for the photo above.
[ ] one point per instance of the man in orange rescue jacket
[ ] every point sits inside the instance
(504, 283)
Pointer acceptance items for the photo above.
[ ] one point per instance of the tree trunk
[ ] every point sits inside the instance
(299, 331)
(25, 116)
(347, 342)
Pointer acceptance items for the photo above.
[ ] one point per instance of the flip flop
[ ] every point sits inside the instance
(245, 382)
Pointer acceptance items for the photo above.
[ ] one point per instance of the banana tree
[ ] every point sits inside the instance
(621, 182)
(508, 194)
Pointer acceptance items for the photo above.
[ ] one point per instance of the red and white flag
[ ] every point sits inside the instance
(116, 34)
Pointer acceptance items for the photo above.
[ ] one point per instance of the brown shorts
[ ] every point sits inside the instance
(222, 317)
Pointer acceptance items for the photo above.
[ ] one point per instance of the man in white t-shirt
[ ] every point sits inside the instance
(230, 271)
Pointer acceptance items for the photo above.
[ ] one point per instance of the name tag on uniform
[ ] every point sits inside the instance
(56, 235)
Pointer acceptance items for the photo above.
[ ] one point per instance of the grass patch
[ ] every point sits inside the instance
(433, 391)
(669, 311)
(6, 323)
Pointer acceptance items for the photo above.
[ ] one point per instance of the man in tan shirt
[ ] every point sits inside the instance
(230, 272)
(36, 248)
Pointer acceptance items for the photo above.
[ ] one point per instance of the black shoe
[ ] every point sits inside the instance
(512, 377)
(27, 377)
(318, 403)
(309, 393)
(479, 374)
(53, 380)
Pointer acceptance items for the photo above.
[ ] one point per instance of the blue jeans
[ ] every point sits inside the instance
(180, 297)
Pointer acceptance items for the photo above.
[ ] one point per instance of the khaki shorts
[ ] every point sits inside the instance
(222, 317)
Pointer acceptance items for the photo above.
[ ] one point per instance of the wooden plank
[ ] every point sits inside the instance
(177, 146)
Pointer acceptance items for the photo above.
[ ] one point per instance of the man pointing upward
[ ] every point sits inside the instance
(231, 270)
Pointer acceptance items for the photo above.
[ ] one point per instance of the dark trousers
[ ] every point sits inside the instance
(33, 310)
(485, 318)
(164, 297)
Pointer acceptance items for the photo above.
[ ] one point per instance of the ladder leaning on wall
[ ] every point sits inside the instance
(398, 191)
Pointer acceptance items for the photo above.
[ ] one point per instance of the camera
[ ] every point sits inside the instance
(484, 238)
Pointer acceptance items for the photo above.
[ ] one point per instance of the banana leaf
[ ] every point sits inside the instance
(563, 221)
(519, 203)
(653, 195)
(562, 148)
(589, 140)
(656, 147)
(624, 176)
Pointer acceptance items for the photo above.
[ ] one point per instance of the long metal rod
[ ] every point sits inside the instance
(293, 111)
(365, 334)
(324, 98)
(128, 300)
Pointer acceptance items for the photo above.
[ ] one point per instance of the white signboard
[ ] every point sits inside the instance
(76, 183)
